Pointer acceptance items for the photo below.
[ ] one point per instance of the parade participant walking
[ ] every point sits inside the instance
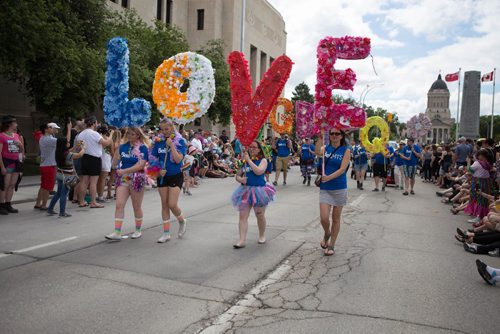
(411, 153)
(360, 164)
(399, 177)
(65, 170)
(11, 153)
(169, 149)
(283, 146)
(253, 192)
(380, 167)
(306, 151)
(333, 187)
(91, 161)
(131, 158)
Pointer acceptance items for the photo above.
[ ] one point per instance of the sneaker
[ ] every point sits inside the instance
(376, 189)
(164, 238)
(64, 215)
(474, 220)
(188, 193)
(101, 200)
(114, 237)
(182, 229)
(495, 252)
(51, 213)
(275, 183)
(10, 209)
(136, 235)
(3, 211)
(304, 181)
(308, 182)
(471, 248)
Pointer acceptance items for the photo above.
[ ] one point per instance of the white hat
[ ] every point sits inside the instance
(53, 125)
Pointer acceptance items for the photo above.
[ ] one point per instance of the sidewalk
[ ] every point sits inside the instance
(28, 190)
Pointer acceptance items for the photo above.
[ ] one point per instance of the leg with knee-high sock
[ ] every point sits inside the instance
(117, 234)
(138, 225)
(166, 232)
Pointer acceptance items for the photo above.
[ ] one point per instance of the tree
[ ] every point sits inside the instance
(220, 110)
(302, 93)
(484, 126)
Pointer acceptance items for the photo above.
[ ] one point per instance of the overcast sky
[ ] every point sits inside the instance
(411, 42)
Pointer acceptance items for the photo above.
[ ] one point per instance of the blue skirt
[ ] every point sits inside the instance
(259, 196)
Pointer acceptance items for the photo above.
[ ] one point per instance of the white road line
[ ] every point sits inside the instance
(223, 322)
(4, 255)
(358, 200)
(24, 250)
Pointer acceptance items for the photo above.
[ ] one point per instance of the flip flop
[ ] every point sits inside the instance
(329, 251)
(83, 205)
(97, 206)
(324, 243)
(462, 233)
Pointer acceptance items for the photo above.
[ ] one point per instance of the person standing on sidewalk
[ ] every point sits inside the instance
(169, 149)
(11, 153)
(411, 154)
(48, 164)
(65, 169)
(130, 180)
(333, 187)
(283, 146)
(306, 151)
(360, 164)
(91, 161)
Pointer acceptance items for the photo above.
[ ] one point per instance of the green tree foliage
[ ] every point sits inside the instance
(302, 93)
(484, 126)
(220, 110)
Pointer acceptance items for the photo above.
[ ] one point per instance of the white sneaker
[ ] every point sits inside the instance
(164, 238)
(136, 235)
(474, 220)
(114, 237)
(182, 229)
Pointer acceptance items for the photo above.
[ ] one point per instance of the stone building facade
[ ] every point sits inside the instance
(438, 110)
(202, 20)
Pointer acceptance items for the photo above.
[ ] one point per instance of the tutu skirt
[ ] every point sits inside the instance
(259, 196)
(479, 205)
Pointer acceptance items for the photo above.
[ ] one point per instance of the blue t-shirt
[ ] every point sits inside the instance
(306, 155)
(333, 160)
(252, 178)
(379, 158)
(360, 157)
(409, 154)
(462, 151)
(398, 161)
(160, 149)
(282, 147)
(391, 153)
(127, 157)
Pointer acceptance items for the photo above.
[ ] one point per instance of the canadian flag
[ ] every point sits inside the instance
(451, 77)
(487, 77)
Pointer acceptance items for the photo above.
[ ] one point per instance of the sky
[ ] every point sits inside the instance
(412, 42)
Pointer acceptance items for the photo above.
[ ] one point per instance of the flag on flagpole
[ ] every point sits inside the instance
(487, 77)
(452, 76)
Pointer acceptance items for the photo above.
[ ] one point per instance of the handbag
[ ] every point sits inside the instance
(71, 180)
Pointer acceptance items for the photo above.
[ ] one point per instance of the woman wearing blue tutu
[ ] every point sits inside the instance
(253, 192)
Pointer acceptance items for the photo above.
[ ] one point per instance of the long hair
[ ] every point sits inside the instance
(61, 149)
(142, 137)
(177, 136)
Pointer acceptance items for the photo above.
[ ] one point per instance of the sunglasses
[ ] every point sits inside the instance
(335, 133)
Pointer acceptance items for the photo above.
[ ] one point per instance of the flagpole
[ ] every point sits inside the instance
(493, 103)
(458, 106)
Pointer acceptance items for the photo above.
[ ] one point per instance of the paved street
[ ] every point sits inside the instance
(397, 269)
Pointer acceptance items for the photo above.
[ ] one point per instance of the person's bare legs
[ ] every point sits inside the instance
(261, 222)
(336, 214)
(243, 224)
(93, 190)
(84, 184)
(324, 213)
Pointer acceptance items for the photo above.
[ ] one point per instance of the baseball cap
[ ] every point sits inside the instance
(53, 125)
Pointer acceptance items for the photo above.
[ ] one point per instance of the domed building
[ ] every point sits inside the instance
(438, 110)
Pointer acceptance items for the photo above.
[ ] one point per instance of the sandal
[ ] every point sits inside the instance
(329, 251)
(97, 206)
(459, 238)
(83, 205)
(324, 243)
(454, 211)
(405, 193)
(462, 233)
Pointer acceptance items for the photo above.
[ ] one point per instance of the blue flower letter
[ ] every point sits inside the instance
(119, 111)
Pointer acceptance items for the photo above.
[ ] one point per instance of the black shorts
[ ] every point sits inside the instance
(171, 181)
(379, 170)
(91, 165)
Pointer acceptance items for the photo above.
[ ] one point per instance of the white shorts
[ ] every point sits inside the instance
(106, 162)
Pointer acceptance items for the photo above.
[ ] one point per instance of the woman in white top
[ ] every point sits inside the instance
(91, 161)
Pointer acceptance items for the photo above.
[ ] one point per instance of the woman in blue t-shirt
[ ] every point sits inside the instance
(360, 159)
(169, 150)
(253, 192)
(131, 158)
(306, 151)
(333, 187)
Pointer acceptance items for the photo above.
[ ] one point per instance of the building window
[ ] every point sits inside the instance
(168, 18)
(125, 3)
(201, 19)
(158, 9)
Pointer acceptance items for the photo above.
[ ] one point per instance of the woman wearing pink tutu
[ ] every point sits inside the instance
(253, 192)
